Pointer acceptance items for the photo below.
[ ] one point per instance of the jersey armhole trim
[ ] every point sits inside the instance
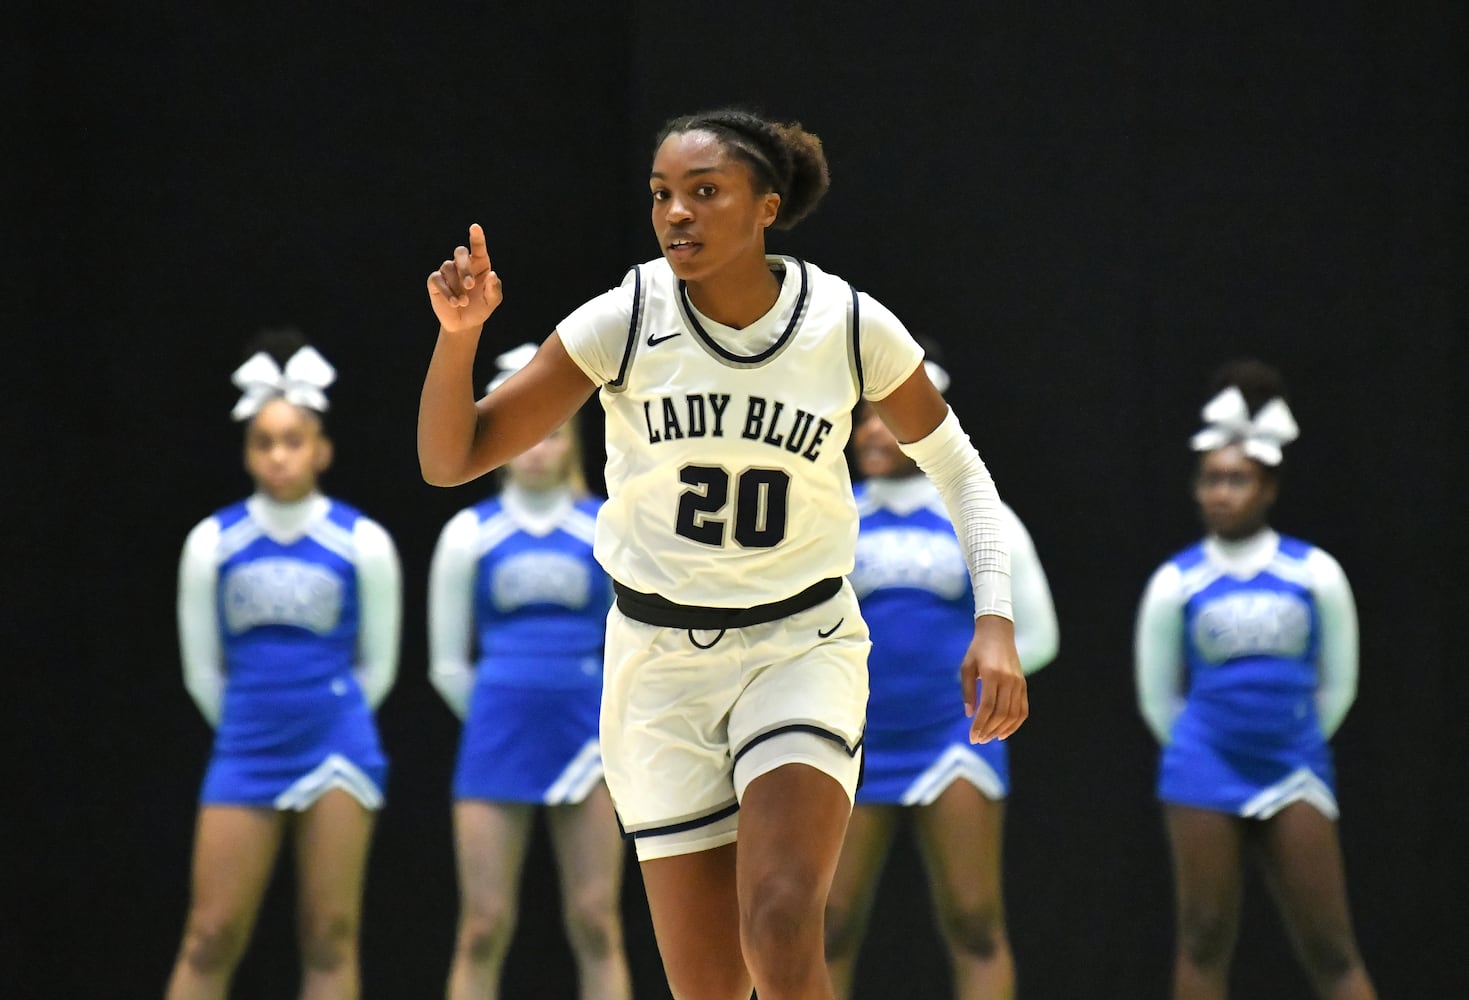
(855, 319)
(634, 324)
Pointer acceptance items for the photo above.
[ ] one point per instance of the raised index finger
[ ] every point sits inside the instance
(479, 254)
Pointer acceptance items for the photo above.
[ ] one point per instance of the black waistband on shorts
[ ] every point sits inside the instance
(654, 609)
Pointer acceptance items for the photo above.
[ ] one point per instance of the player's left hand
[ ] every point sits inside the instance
(994, 688)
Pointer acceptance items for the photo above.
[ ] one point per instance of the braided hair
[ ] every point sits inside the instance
(782, 157)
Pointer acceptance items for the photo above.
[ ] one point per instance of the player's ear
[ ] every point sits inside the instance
(769, 209)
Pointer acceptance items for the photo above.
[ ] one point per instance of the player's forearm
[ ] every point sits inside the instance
(447, 417)
(956, 470)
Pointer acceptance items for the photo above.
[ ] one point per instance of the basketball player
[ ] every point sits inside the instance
(289, 610)
(517, 612)
(735, 679)
(914, 591)
(1246, 659)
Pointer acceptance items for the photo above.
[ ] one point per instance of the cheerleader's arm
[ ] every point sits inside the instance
(380, 594)
(451, 612)
(1037, 634)
(1158, 652)
(200, 648)
(1337, 664)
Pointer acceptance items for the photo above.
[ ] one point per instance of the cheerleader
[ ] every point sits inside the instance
(517, 611)
(288, 611)
(913, 587)
(1246, 664)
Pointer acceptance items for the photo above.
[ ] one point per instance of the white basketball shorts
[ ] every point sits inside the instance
(691, 717)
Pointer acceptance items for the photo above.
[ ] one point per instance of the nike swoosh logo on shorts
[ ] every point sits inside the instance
(829, 632)
(655, 341)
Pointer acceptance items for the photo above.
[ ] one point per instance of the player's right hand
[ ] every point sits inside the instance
(464, 291)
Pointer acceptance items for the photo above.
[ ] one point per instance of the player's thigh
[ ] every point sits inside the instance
(792, 822)
(694, 904)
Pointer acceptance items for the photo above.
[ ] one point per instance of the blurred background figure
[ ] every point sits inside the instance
(289, 609)
(517, 614)
(913, 587)
(1246, 663)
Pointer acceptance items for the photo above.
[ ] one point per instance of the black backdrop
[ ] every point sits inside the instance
(1088, 210)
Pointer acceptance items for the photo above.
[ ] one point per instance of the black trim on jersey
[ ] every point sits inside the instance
(797, 315)
(800, 727)
(688, 824)
(632, 327)
(857, 342)
(654, 609)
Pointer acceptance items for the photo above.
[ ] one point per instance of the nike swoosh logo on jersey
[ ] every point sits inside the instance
(831, 631)
(655, 341)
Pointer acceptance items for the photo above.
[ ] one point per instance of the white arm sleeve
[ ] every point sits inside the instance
(451, 612)
(1337, 665)
(380, 593)
(1158, 652)
(1037, 634)
(949, 460)
(200, 648)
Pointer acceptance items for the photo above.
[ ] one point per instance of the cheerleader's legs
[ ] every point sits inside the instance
(1304, 869)
(490, 841)
(960, 835)
(589, 859)
(854, 888)
(1208, 849)
(235, 848)
(331, 844)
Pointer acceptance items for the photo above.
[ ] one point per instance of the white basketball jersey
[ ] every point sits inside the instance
(726, 473)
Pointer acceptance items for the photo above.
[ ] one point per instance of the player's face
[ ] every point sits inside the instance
(705, 211)
(544, 465)
(285, 450)
(878, 456)
(1234, 493)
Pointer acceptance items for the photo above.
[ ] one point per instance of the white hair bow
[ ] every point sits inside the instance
(511, 362)
(1228, 421)
(302, 382)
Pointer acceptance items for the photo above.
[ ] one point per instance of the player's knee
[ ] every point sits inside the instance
(328, 940)
(1206, 937)
(214, 943)
(781, 924)
(977, 930)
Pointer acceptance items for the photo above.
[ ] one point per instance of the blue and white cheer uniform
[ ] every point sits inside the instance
(914, 589)
(517, 618)
(289, 616)
(1246, 665)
